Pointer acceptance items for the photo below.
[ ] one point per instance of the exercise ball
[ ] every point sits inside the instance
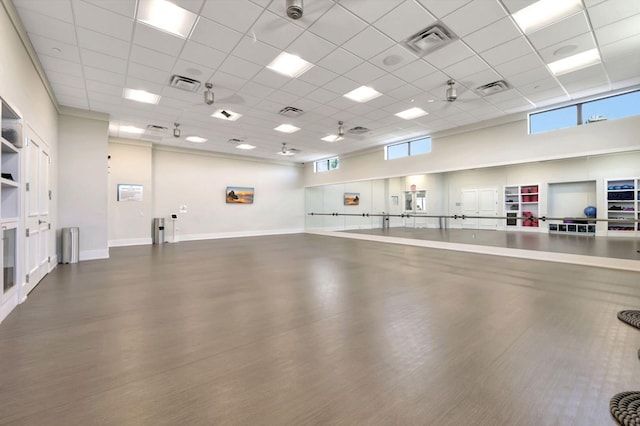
(590, 211)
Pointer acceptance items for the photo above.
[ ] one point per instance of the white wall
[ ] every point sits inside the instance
(198, 181)
(570, 198)
(82, 179)
(501, 144)
(130, 221)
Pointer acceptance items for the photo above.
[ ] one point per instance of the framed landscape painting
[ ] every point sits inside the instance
(351, 198)
(239, 195)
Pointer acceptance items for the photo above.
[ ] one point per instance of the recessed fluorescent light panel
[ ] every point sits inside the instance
(290, 65)
(545, 12)
(575, 62)
(131, 129)
(245, 146)
(196, 139)
(141, 96)
(287, 128)
(412, 113)
(332, 138)
(166, 16)
(363, 94)
(226, 115)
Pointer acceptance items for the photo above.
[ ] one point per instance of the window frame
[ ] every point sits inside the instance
(408, 143)
(327, 162)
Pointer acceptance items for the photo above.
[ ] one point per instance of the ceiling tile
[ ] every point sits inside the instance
(318, 76)
(99, 42)
(466, 67)
(64, 90)
(102, 21)
(370, 11)
(123, 7)
(339, 61)
(104, 76)
(368, 43)
(312, 11)
(545, 84)
(211, 33)
(107, 89)
(142, 84)
(440, 9)
(151, 58)
(60, 10)
(480, 78)
(154, 39)
(432, 81)
(54, 29)
(449, 55)
(298, 87)
(473, 16)
(204, 55)
(72, 101)
(403, 92)
(516, 5)
(256, 51)
(274, 30)
(404, 21)
(310, 47)
(240, 67)
(65, 79)
(269, 78)
(191, 5)
(229, 81)
(627, 47)
(519, 65)
(611, 11)
(364, 73)
(393, 58)
(148, 73)
(386, 83)
(188, 69)
(337, 25)
(322, 96)
(105, 62)
(415, 70)
(580, 44)
(624, 68)
(563, 30)
(54, 48)
(507, 51)
(530, 76)
(493, 35)
(341, 85)
(236, 14)
(619, 30)
(256, 89)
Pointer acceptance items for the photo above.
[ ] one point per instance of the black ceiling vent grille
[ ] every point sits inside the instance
(290, 111)
(155, 129)
(184, 83)
(491, 88)
(430, 39)
(235, 141)
(358, 130)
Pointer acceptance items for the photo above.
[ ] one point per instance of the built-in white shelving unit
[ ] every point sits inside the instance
(522, 201)
(623, 203)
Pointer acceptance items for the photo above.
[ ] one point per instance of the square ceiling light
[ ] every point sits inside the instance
(245, 146)
(575, 62)
(141, 96)
(196, 139)
(332, 138)
(545, 12)
(131, 129)
(290, 65)
(287, 128)
(167, 17)
(363, 94)
(412, 113)
(225, 114)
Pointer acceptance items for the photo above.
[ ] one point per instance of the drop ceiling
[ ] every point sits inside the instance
(91, 50)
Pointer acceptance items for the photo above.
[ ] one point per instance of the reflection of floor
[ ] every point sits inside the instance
(610, 247)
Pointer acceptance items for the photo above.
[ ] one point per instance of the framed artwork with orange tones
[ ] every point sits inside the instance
(239, 195)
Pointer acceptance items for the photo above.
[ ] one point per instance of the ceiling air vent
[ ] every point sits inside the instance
(154, 129)
(184, 83)
(358, 130)
(430, 39)
(491, 88)
(290, 111)
(235, 140)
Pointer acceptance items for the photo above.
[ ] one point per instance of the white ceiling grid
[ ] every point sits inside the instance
(92, 49)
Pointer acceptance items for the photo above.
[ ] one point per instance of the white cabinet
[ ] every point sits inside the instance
(522, 201)
(623, 204)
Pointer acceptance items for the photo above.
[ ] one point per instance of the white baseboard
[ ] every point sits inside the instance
(218, 235)
(130, 242)
(8, 306)
(94, 254)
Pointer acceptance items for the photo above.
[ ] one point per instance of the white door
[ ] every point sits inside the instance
(37, 196)
(470, 208)
(480, 202)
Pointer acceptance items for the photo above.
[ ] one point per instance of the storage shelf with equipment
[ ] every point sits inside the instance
(521, 201)
(623, 203)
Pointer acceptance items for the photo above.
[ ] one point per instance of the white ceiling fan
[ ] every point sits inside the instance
(287, 151)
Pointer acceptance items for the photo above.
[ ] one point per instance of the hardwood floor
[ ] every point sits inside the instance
(307, 329)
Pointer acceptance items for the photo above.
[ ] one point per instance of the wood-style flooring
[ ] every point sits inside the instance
(306, 329)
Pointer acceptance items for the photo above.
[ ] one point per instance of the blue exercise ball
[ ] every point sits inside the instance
(590, 211)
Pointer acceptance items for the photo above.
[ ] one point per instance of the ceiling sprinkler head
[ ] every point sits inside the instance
(176, 130)
(294, 9)
(208, 94)
(452, 93)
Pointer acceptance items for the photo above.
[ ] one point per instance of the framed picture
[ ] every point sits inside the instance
(129, 192)
(351, 198)
(239, 195)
